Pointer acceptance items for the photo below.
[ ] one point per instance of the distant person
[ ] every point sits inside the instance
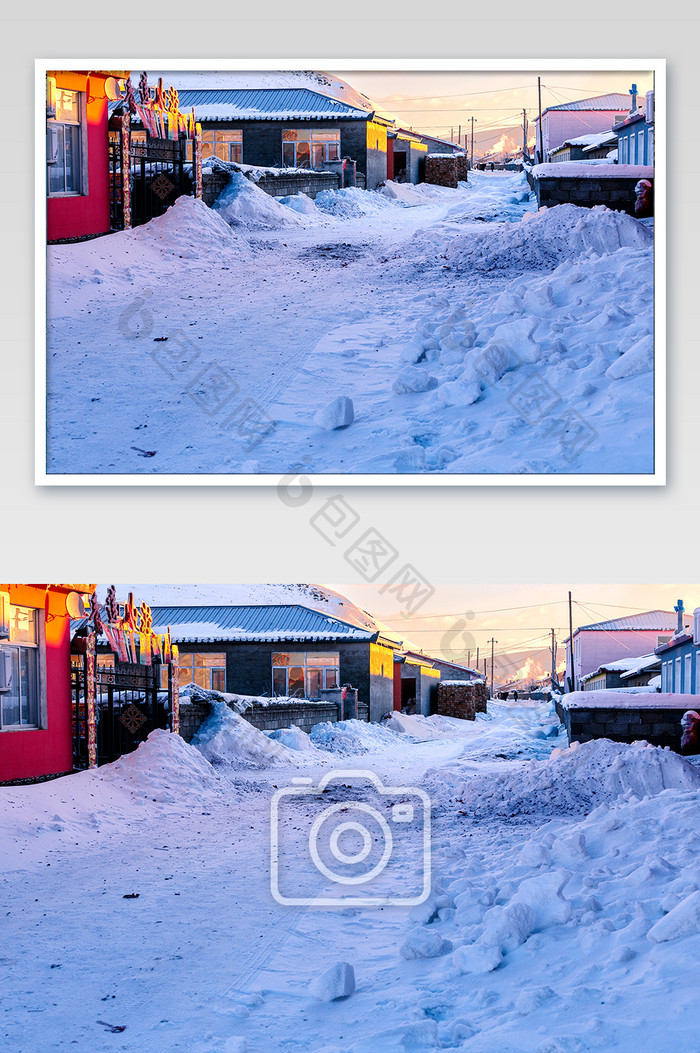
(515, 696)
(492, 166)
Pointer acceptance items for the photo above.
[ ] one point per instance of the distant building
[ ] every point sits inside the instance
(635, 135)
(569, 120)
(416, 677)
(626, 672)
(586, 147)
(629, 637)
(680, 660)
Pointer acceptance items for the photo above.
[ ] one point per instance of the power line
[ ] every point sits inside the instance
(456, 95)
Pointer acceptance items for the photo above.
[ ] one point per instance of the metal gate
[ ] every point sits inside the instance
(127, 705)
(158, 176)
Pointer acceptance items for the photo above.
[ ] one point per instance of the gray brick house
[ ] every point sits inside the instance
(279, 650)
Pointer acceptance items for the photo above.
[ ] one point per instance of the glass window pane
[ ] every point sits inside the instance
(288, 156)
(290, 135)
(213, 660)
(327, 136)
(10, 700)
(22, 625)
(280, 659)
(201, 677)
(296, 682)
(218, 679)
(235, 152)
(28, 692)
(235, 136)
(333, 151)
(185, 677)
(313, 683)
(279, 682)
(303, 155)
(319, 154)
(72, 135)
(67, 105)
(331, 677)
(198, 660)
(323, 658)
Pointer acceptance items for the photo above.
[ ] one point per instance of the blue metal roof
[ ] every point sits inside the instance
(263, 623)
(263, 104)
(655, 621)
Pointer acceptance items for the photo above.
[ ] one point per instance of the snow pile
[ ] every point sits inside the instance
(558, 355)
(352, 202)
(621, 697)
(541, 240)
(163, 768)
(404, 193)
(227, 740)
(301, 203)
(570, 781)
(606, 910)
(244, 205)
(351, 737)
(419, 728)
(189, 229)
(293, 738)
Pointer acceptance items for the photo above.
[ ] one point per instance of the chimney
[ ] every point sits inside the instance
(679, 609)
(633, 93)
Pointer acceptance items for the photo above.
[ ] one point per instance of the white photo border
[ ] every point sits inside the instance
(655, 478)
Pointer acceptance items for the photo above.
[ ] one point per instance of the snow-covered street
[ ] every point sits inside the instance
(473, 334)
(563, 915)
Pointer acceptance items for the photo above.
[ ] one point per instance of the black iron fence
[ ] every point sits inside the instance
(129, 705)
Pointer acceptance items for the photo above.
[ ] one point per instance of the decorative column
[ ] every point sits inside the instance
(197, 154)
(126, 168)
(90, 701)
(174, 675)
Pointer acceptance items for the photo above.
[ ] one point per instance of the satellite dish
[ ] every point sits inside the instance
(112, 89)
(75, 605)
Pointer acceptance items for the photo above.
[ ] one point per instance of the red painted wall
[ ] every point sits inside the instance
(29, 754)
(73, 217)
(397, 685)
(390, 175)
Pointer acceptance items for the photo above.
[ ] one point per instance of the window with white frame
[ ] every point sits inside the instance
(687, 675)
(677, 672)
(64, 145)
(309, 147)
(19, 671)
(204, 670)
(304, 674)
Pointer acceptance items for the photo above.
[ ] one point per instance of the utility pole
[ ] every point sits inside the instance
(555, 682)
(492, 642)
(477, 659)
(539, 103)
(452, 134)
(469, 657)
(524, 134)
(459, 136)
(572, 678)
(472, 119)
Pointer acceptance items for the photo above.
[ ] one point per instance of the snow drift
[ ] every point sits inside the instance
(227, 740)
(242, 204)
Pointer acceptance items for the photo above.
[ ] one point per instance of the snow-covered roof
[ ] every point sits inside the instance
(614, 101)
(266, 104)
(630, 666)
(663, 621)
(255, 623)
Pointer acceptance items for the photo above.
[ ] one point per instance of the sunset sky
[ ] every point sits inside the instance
(459, 617)
(436, 102)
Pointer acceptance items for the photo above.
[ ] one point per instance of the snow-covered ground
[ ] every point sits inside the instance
(473, 334)
(564, 907)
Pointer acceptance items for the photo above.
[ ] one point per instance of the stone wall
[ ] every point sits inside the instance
(303, 714)
(445, 170)
(660, 727)
(614, 192)
(461, 700)
(213, 182)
